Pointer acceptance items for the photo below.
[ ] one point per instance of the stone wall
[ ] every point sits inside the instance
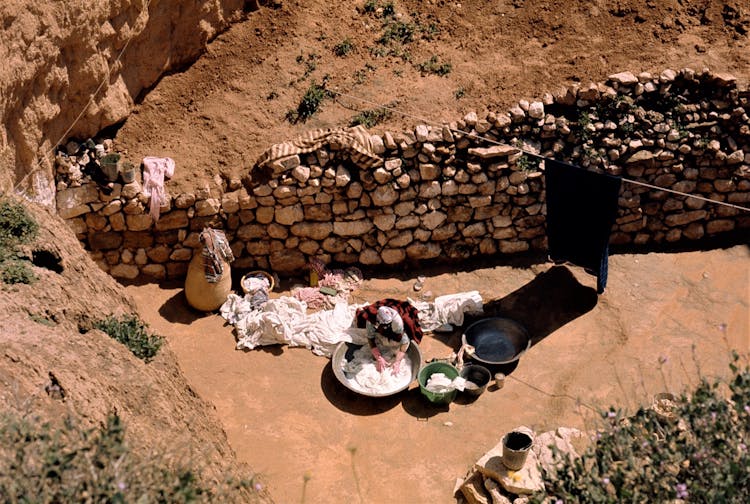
(454, 192)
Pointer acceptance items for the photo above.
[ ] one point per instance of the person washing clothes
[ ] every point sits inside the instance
(391, 325)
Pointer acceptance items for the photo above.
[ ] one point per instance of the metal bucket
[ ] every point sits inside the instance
(110, 165)
(479, 376)
(516, 446)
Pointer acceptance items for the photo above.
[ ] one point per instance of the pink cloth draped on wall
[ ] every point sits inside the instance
(155, 171)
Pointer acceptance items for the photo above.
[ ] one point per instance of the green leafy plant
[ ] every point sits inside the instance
(397, 32)
(343, 48)
(371, 117)
(310, 63)
(696, 449)
(433, 66)
(370, 6)
(16, 227)
(309, 104)
(459, 93)
(68, 463)
(528, 163)
(16, 271)
(132, 332)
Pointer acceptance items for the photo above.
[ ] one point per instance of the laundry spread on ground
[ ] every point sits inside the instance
(362, 375)
(448, 311)
(285, 320)
(581, 210)
(155, 171)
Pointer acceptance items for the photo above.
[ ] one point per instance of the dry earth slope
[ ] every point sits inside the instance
(44, 330)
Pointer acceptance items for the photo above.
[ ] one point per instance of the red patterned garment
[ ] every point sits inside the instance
(408, 314)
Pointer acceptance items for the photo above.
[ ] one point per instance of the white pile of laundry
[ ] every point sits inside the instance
(285, 320)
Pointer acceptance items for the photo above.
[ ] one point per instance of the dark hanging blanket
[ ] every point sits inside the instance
(408, 314)
(581, 209)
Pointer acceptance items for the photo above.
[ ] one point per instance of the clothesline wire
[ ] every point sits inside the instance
(88, 104)
(529, 153)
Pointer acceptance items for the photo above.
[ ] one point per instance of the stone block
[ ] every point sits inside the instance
(200, 223)
(385, 222)
(177, 269)
(353, 228)
(159, 254)
(251, 232)
(155, 271)
(172, 220)
(393, 255)
(185, 200)
(105, 241)
(95, 222)
(289, 215)
(423, 250)
(208, 207)
(126, 271)
(138, 222)
(137, 239)
(384, 196)
(313, 230)
(287, 261)
(719, 226)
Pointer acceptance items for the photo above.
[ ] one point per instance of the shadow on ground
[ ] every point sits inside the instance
(177, 310)
(548, 302)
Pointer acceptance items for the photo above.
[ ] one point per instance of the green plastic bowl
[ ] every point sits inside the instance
(424, 375)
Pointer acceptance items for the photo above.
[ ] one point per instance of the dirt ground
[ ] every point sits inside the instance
(283, 410)
(665, 320)
(221, 113)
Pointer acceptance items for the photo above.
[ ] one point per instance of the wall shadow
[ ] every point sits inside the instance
(548, 302)
(177, 310)
(351, 402)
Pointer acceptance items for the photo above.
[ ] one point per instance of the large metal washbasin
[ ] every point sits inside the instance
(496, 340)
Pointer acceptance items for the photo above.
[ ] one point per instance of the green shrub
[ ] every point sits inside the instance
(702, 454)
(371, 117)
(16, 225)
(397, 32)
(309, 105)
(343, 48)
(433, 66)
(528, 163)
(370, 6)
(132, 332)
(15, 271)
(66, 463)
